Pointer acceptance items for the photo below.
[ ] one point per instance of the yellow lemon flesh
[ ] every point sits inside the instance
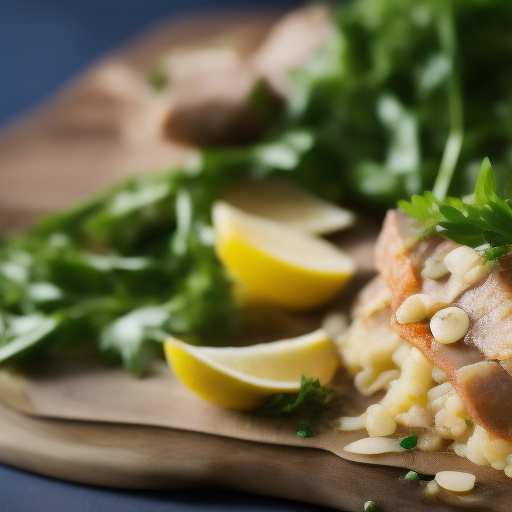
(277, 263)
(284, 202)
(244, 377)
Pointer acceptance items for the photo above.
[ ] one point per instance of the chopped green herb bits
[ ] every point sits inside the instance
(371, 506)
(412, 476)
(410, 442)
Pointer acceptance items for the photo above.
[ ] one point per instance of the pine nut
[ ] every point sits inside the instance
(434, 268)
(478, 273)
(463, 259)
(349, 423)
(449, 325)
(379, 421)
(500, 465)
(413, 309)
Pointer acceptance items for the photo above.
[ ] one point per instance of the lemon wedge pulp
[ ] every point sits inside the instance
(244, 377)
(277, 263)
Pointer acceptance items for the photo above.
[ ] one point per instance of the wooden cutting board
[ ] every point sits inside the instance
(86, 423)
(79, 421)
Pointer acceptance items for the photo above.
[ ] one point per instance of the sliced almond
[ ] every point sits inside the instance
(455, 481)
(374, 446)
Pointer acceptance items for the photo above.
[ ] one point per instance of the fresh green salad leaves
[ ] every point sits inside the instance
(126, 268)
(485, 223)
(21, 333)
(407, 96)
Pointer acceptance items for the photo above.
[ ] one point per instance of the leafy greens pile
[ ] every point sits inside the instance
(406, 95)
(409, 95)
(127, 268)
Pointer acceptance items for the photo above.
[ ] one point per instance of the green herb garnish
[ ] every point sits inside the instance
(311, 398)
(485, 224)
(412, 476)
(312, 405)
(409, 442)
(371, 506)
(305, 430)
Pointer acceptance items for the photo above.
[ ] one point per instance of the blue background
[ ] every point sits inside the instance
(25, 492)
(43, 43)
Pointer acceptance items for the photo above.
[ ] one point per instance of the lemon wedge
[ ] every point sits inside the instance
(284, 202)
(277, 263)
(244, 377)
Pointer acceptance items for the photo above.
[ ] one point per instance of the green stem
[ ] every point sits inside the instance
(456, 113)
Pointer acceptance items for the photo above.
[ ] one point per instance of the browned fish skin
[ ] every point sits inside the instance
(487, 389)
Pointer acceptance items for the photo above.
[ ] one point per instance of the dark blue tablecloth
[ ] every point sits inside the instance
(43, 43)
(26, 492)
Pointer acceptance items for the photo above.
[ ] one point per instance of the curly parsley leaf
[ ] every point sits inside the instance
(312, 398)
(485, 224)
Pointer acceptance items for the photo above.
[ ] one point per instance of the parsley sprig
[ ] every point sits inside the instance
(310, 399)
(311, 405)
(486, 224)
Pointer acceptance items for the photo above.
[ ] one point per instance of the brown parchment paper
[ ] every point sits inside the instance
(87, 423)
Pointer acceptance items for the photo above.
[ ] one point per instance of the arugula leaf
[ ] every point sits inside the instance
(203, 309)
(129, 337)
(311, 399)
(486, 224)
(127, 268)
(20, 334)
(452, 83)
